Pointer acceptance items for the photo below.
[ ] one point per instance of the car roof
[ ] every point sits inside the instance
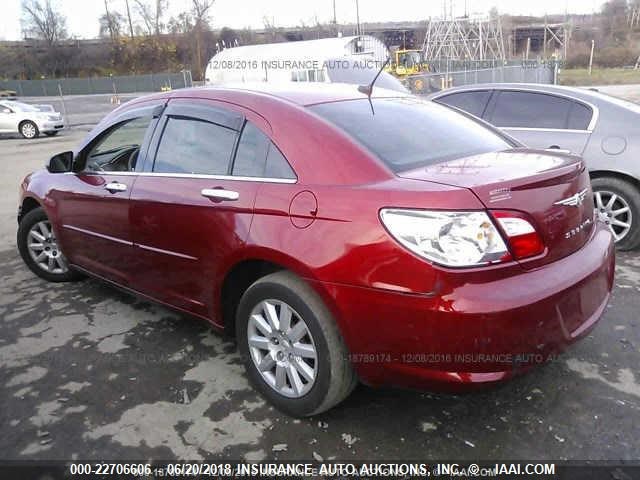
(302, 93)
(591, 95)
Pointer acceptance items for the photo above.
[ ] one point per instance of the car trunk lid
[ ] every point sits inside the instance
(553, 189)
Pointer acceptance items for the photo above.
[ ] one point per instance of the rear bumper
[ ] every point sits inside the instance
(469, 334)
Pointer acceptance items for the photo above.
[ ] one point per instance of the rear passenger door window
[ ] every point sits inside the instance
(277, 166)
(579, 116)
(252, 152)
(194, 146)
(473, 102)
(530, 110)
(257, 156)
(540, 120)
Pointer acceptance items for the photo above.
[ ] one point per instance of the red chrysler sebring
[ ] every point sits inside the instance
(339, 237)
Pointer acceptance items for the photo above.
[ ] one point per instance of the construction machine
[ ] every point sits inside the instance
(405, 62)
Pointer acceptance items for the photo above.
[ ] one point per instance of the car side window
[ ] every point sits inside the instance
(5, 109)
(277, 166)
(257, 156)
(117, 150)
(252, 152)
(530, 110)
(190, 145)
(472, 102)
(579, 117)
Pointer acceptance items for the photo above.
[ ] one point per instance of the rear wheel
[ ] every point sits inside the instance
(617, 204)
(28, 129)
(39, 248)
(292, 349)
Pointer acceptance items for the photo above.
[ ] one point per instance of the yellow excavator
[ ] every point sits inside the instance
(410, 68)
(406, 62)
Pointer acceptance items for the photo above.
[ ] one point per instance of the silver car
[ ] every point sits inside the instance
(604, 130)
(29, 120)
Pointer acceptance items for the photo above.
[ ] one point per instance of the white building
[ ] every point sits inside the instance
(303, 61)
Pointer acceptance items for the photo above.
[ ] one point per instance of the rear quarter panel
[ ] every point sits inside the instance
(616, 127)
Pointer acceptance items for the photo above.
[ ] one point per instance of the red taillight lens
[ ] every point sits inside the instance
(522, 236)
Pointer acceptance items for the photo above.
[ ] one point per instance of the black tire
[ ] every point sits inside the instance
(631, 196)
(28, 126)
(51, 134)
(335, 377)
(29, 220)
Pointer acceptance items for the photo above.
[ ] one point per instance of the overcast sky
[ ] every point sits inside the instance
(82, 15)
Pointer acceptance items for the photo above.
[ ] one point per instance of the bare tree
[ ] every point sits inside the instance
(129, 18)
(200, 11)
(41, 20)
(270, 27)
(182, 24)
(106, 23)
(112, 24)
(152, 13)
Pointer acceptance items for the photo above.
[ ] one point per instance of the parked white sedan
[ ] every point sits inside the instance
(28, 120)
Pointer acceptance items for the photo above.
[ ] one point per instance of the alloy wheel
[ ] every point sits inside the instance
(614, 211)
(282, 348)
(43, 249)
(28, 130)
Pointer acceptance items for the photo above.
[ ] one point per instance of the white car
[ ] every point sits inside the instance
(28, 120)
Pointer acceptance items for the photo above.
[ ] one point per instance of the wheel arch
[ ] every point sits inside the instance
(615, 174)
(244, 272)
(28, 204)
(25, 120)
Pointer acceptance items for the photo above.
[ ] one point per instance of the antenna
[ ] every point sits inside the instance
(368, 89)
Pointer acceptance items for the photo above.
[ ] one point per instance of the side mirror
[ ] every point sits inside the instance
(60, 163)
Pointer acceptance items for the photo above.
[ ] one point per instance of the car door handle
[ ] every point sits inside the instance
(220, 194)
(114, 187)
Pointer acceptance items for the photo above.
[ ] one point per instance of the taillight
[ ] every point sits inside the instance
(453, 239)
(524, 241)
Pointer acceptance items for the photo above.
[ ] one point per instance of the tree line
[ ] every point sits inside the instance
(140, 38)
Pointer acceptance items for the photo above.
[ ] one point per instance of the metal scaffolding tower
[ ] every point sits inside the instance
(464, 39)
(633, 17)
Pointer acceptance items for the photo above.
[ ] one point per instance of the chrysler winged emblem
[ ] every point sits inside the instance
(574, 200)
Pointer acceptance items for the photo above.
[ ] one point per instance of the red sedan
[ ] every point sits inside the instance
(338, 237)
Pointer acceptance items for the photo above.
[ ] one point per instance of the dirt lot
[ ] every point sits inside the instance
(88, 372)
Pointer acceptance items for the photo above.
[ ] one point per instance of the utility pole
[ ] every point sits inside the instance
(357, 18)
(544, 48)
(593, 43)
(335, 18)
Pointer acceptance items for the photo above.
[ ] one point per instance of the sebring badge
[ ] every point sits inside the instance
(575, 231)
(574, 200)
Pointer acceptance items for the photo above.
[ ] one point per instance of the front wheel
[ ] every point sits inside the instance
(39, 248)
(617, 204)
(29, 130)
(292, 349)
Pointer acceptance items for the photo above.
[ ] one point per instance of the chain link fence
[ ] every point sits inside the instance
(97, 85)
(522, 73)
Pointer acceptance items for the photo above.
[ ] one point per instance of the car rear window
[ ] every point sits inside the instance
(407, 133)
